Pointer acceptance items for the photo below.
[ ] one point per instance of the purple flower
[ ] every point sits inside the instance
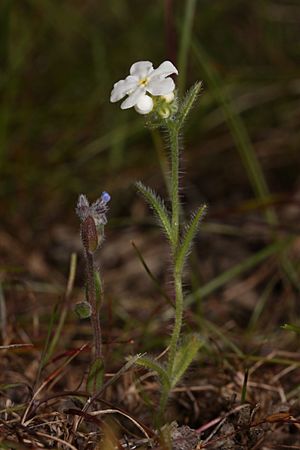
(96, 210)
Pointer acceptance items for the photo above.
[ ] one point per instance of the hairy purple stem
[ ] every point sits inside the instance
(92, 299)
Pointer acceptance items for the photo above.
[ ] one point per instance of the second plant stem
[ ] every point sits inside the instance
(92, 299)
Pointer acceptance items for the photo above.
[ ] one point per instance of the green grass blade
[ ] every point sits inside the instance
(244, 387)
(291, 270)
(261, 303)
(290, 327)
(238, 269)
(186, 34)
(155, 281)
(187, 240)
(158, 207)
(3, 314)
(244, 146)
(45, 351)
(212, 328)
(63, 314)
(132, 360)
(237, 129)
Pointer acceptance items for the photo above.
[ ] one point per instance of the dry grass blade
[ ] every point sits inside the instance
(51, 377)
(117, 411)
(120, 372)
(65, 308)
(106, 428)
(14, 346)
(56, 439)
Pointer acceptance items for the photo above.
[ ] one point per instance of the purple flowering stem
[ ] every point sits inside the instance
(92, 299)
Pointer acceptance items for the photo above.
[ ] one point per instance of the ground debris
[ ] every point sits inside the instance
(184, 438)
(236, 431)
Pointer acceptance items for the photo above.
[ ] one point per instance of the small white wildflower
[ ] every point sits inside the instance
(144, 78)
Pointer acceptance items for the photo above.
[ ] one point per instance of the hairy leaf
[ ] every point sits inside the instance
(184, 357)
(158, 207)
(95, 376)
(191, 230)
(187, 104)
(156, 367)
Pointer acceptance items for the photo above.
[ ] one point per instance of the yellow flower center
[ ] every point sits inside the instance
(143, 82)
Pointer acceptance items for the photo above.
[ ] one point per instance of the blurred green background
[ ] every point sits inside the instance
(60, 136)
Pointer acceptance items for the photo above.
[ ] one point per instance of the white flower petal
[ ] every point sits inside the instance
(122, 88)
(165, 69)
(133, 98)
(141, 69)
(144, 105)
(161, 86)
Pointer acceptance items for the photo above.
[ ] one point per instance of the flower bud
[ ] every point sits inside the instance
(144, 105)
(89, 235)
(169, 97)
(83, 310)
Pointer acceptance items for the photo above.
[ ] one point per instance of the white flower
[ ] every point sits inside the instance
(144, 78)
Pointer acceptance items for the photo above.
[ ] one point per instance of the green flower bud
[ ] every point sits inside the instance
(83, 310)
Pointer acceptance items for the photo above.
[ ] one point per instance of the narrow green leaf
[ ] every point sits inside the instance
(237, 128)
(3, 314)
(185, 40)
(95, 376)
(131, 361)
(156, 367)
(184, 357)
(62, 314)
(187, 240)
(156, 282)
(158, 206)
(187, 104)
(290, 327)
(98, 288)
(244, 387)
(44, 355)
(236, 270)
(5, 387)
(212, 328)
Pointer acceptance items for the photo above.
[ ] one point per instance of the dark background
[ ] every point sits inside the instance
(60, 136)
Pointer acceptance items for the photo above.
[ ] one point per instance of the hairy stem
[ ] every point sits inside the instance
(173, 132)
(177, 275)
(178, 321)
(92, 299)
(162, 406)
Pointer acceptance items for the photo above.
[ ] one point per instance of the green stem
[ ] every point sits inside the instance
(173, 131)
(178, 321)
(177, 275)
(162, 407)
